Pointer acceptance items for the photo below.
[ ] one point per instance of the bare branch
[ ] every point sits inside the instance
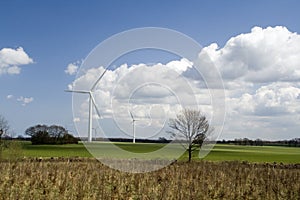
(190, 126)
(4, 127)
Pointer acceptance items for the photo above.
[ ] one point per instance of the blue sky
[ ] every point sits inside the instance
(57, 33)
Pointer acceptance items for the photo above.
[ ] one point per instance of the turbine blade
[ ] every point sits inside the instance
(100, 77)
(131, 115)
(78, 91)
(95, 105)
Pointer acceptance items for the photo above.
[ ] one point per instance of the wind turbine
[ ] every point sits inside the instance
(133, 127)
(91, 102)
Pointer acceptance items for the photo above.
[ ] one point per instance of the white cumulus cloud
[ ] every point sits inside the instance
(25, 100)
(154, 93)
(10, 96)
(261, 74)
(263, 55)
(269, 100)
(12, 59)
(72, 68)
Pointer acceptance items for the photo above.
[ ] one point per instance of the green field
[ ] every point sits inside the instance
(219, 152)
(255, 153)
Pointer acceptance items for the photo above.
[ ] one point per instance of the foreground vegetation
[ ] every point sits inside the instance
(88, 179)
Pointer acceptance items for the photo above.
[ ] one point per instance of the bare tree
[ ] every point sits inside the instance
(4, 127)
(190, 126)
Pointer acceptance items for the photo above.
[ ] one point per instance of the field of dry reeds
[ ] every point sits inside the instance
(89, 179)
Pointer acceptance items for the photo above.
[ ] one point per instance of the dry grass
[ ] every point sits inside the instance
(89, 179)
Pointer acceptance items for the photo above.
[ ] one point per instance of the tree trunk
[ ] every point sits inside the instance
(190, 153)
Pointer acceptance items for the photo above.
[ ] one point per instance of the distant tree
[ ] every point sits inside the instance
(43, 134)
(192, 127)
(294, 142)
(20, 137)
(57, 133)
(4, 127)
(70, 139)
(162, 140)
(35, 129)
(258, 142)
(41, 137)
(246, 141)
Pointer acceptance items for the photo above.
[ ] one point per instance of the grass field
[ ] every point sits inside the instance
(255, 153)
(219, 152)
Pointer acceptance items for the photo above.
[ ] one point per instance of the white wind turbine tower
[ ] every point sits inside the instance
(91, 102)
(133, 126)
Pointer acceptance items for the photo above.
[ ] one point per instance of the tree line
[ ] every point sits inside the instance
(295, 142)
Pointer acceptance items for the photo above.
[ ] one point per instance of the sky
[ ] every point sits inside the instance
(254, 44)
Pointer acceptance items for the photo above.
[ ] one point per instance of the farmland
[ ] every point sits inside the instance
(228, 172)
(219, 152)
